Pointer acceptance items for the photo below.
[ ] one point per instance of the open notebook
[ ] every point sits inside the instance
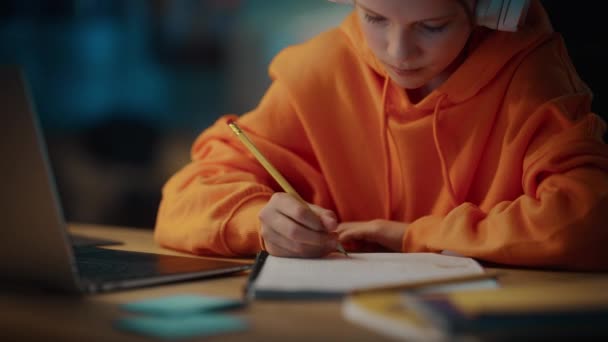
(337, 275)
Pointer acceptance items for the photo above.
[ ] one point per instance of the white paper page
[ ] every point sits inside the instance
(338, 273)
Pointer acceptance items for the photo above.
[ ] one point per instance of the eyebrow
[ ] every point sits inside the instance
(368, 10)
(428, 19)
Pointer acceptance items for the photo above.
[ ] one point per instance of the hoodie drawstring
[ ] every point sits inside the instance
(384, 132)
(444, 166)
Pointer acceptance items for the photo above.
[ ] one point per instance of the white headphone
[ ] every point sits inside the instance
(502, 15)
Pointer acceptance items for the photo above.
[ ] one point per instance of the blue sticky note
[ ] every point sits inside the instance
(181, 305)
(199, 325)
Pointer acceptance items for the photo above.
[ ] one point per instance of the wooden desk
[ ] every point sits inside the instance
(35, 315)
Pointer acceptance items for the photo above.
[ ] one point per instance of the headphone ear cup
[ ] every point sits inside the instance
(502, 15)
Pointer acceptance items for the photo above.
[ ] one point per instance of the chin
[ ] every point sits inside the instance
(408, 83)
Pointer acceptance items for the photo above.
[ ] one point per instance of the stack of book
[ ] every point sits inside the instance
(534, 312)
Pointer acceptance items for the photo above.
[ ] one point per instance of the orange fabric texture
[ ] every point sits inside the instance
(503, 162)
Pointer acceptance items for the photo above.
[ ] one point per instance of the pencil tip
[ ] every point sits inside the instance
(342, 250)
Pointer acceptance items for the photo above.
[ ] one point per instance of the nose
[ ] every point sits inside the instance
(401, 45)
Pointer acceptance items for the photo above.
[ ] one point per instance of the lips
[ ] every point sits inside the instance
(404, 72)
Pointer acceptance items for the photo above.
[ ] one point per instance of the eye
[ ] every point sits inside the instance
(374, 19)
(434, 28)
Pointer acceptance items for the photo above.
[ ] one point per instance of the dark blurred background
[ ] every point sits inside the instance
(124, 87)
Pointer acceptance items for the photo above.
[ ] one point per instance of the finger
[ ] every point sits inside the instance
(298, 211)
(358, 237)
(286, 247)
(328, 217)
(292, 230)
(277, 250)
(356, 231)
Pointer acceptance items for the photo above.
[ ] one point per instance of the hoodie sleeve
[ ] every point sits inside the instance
(211, 206)
(560, 219)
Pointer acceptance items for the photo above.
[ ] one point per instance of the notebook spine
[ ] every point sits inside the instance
(260, 259)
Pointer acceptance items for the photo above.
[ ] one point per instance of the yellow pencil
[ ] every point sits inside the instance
(271, 169)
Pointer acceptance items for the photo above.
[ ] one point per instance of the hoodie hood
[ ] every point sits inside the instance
(489, 51)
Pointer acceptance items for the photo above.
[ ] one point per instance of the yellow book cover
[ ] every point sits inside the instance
(385, 313)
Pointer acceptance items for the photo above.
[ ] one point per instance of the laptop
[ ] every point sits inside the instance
(35, 247)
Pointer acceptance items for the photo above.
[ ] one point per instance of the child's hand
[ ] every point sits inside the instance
(292, 229)
(388, 234)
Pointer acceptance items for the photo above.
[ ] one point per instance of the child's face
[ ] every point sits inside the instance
(416, 40)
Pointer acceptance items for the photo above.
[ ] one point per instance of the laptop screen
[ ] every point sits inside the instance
(34, 244)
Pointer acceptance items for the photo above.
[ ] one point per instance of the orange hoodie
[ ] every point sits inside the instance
(503, 162)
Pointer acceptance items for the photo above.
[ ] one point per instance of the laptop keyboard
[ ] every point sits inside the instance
(91, 268)
(104, 264)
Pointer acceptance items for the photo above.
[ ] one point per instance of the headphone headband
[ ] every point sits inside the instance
(502, 15)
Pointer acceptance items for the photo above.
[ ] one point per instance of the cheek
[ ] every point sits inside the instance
(375, 39)
(443, 50)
